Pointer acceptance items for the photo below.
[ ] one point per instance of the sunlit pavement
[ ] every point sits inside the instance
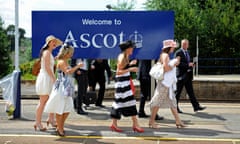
(219, 123)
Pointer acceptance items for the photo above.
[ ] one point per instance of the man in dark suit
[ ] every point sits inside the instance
(97, 75)
(145, 87)
(81, 76)
(185, 76)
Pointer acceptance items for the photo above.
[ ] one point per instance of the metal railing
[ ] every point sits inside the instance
(218, 66)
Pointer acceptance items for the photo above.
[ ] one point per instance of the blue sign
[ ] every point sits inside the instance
(97, 34)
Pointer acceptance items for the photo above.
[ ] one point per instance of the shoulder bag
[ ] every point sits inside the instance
(36, 67)
(157, 71)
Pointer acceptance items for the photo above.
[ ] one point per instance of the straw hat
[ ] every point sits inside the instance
(50, 38)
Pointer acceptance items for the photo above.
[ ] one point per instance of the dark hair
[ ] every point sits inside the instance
(45, 47)
(166, 50)
(127, 44)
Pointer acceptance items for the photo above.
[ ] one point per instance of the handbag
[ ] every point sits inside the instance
(132, 86)
(90, 98)
(36, 67)
(157, 71)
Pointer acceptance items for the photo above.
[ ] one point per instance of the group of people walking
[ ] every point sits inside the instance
(56, 93)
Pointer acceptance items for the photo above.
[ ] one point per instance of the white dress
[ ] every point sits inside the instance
(43, 82)
(58, 102)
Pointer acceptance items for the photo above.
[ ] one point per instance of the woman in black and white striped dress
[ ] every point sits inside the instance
(124, 103)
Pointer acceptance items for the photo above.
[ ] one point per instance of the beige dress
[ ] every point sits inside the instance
(164, 96)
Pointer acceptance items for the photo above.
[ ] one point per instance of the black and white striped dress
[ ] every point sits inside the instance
(124, 101)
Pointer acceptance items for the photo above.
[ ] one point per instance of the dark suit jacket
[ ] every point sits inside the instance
(99, 72)
(183, 69)
(144, 68)
(74, 63)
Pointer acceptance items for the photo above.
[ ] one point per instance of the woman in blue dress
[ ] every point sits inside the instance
(60, 101)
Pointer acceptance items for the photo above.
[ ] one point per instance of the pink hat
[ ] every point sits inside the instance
(169, 43)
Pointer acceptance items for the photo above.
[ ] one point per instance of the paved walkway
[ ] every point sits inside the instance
(218, 123)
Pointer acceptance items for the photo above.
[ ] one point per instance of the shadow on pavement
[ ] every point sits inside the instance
(205, 115)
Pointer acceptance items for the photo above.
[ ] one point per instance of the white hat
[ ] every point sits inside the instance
(50, 38)
(169, 43)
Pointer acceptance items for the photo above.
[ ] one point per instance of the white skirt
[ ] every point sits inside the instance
(58, 103)
(43, 84)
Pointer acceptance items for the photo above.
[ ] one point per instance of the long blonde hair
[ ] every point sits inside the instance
(64, 50)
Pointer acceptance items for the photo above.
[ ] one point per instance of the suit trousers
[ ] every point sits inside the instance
(145, 87)
(101, 81)
(82, 82)
(187, 83)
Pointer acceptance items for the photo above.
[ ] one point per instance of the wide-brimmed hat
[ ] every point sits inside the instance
(50, 38)
(127, 44)
(169, 43)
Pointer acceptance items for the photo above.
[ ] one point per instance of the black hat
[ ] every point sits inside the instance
(127, 44)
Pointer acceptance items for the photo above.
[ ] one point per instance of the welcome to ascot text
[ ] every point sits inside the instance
(87, 21)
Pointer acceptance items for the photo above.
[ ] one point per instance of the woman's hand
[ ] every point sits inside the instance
(78, 72)
(178, 60)
(133, 62)
(80, 64)
(133, 69)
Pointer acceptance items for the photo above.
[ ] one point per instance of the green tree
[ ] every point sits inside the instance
(5, 61)
(122, 5)
(25, 50)
(11, 35)
(215, 22)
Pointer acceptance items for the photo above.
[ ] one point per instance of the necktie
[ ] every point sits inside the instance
(187, 56)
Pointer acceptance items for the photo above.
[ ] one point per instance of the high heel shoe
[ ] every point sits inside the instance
(138, 129)
(40, 127)
(116, 129)
(53, 124)
(180, 125)
(153, 126)
(61, 134)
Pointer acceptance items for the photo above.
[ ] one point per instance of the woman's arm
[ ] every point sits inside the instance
(64, 66)
(46, 58)
(121, 66)
(165, 61)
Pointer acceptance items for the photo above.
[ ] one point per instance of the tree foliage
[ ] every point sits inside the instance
(215, 22)
(11, 35)
(123, 5)
(5, 60)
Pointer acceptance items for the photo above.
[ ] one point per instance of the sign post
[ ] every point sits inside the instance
(17, 112)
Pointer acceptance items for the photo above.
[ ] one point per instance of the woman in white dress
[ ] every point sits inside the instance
(45, 80)
(60, 101)
(164, 96)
